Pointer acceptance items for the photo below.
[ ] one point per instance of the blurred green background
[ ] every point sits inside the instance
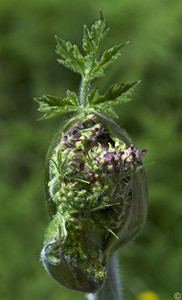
(153, 120)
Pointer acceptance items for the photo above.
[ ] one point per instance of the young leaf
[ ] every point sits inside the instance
(91, 44)
(108, 57)
(52, 105)
(72, 58)
(92, 40)
(93, 96)
(71, 99)
(116, 94)
(53, 111)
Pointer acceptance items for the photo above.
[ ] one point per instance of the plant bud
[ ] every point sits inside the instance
(97, 200)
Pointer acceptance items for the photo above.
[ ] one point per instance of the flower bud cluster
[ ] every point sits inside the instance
(90, 185)
(88, 169)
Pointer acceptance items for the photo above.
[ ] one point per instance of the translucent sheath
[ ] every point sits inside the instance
(96, 242)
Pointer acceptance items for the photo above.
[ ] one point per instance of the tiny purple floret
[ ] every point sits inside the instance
(78, 150)
(75, 140)
(65, 138)
(95, 130)
(73, 163)
(102, 131)
(133, 147)
(68, 144)
(76, 157)
(109, 156)
(77, 135)
(126, 159)
(142, 153)
(82, 166)
(114, 163)
(120, 154)
(93, 139)
(97, 158)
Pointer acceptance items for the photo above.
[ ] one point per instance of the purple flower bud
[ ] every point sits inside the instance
(142, 153)
(73, 163)
(133, 154)
(93, 139)
(105, 166)
(91, 174)
(126, 159)
(82, 166)
(103, 132)
(95, 130)
(75, 140)
(76, 157)
(114, 163)
(97, 158)
(120, 154)
(65, 138)
(77, 135)
(109, 156)
(133, 147)
(68, 144)
(78, 150)
(129, 151)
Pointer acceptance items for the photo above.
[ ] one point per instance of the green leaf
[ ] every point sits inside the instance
(93, 96)
(72, 58)
(52, 105)
(92, 40)
(55, 111)
(91, 44)
(108, 57)
(116, 94)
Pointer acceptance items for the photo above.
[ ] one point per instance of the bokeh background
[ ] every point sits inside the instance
(153, 262)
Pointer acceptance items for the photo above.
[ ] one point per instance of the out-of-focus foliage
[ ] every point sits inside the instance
(154, 121)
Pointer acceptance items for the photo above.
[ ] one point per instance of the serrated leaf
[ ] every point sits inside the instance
(53, 111)
(71, 99)
(72, 58)
(93, 96)
(108, 57)
(52, 105)
(117, 94)
(91, 44)
(92, 40)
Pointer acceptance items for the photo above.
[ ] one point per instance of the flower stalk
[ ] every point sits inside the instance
(112, 286)
(84, 91)
(95, 181)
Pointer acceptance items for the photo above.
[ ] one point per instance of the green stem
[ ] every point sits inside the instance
(111, 289)
(84, 90)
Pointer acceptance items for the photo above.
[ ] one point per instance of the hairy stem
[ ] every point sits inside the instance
(84, 90)
(111, 289)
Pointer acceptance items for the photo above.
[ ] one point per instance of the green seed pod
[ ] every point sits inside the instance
(95, 181)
